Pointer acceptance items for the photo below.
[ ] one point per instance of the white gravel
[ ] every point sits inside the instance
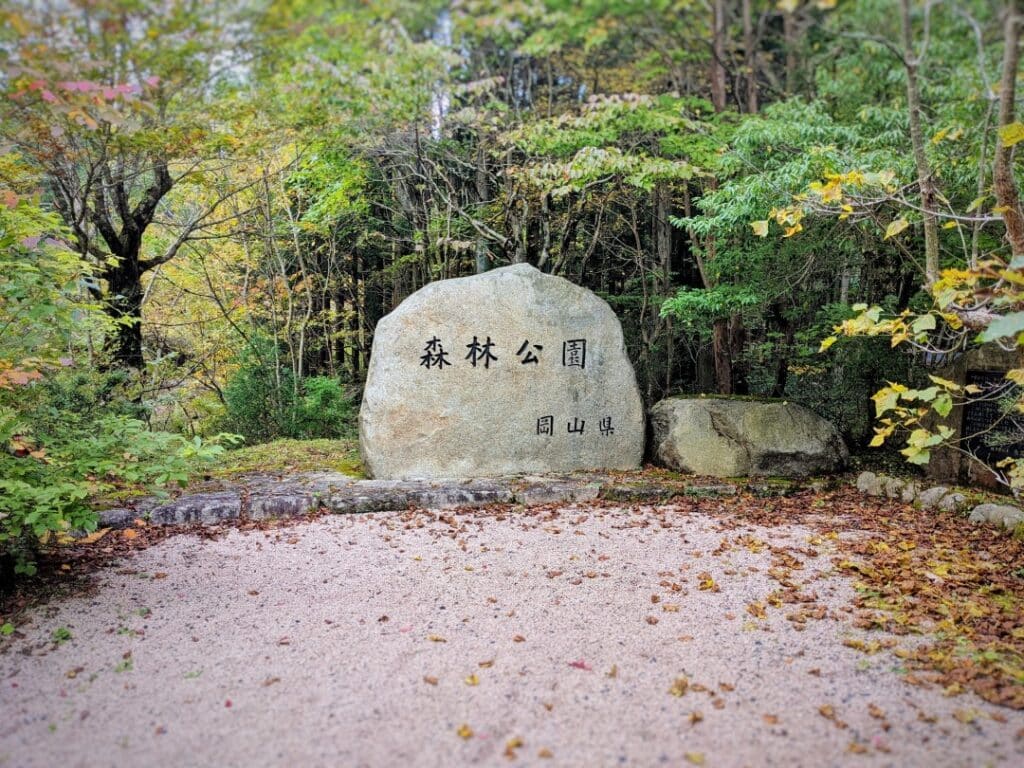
(316, 645)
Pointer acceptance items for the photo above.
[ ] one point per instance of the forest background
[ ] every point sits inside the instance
(205, 208)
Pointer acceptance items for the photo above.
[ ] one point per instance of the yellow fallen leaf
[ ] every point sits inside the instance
(465, 732)
(436, 639)
(472, 680)
(95, 536)
(694, 758)
(679, 686)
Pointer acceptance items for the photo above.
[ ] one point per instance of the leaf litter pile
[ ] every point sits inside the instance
(939, 597)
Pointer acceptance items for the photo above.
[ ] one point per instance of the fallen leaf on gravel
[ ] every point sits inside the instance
(856, 748)
(770, 719)
(472, 680)
(430, 680)
(829, 713)
(652, 619)
(613, 672)
(757, 610)
(966, 716)
(160, 575)
(544, 752)
(580, 664)
(679, 686)
(486, 664)
(464, 732)
(694, 758)
(727, 687)
(129, 533)
(718, 703)
(73, 673)
(511, 746)
(876, 712)
(436, 639)
(696, 717)
(518, 639)
(707, 583)
(270, 681)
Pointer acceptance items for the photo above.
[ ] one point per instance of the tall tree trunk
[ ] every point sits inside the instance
(718, 30)
(1003, 182)
(124, 305)
(749, 58)
(925, 180)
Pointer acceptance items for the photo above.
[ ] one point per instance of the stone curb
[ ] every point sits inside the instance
(262, 497)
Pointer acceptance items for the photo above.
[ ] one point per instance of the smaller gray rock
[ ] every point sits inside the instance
(869, 483)
(1006, 515)
(117, 518)
(952, 502)
(909, 493)
(930, 497)
(894, 488)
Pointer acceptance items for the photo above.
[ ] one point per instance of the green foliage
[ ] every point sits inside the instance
(263, 401)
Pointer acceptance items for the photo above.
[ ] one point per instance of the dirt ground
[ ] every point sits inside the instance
(708, 632)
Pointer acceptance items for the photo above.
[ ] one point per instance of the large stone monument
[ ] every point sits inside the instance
(508, 372)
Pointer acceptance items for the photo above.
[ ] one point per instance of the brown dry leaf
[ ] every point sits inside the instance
(655, 599)
(486, 664)
(770, 719)
(718, 703)
(757, 610)
(670, 608)
(270, 681)
(436, 639)
(727, 687)
(518, 639)
(856, 748)
(679, 686)
(651, 619)
(430, 680)
(876, 712)
(129, 533)
(614, 671)
(696, 717)
(545, 753)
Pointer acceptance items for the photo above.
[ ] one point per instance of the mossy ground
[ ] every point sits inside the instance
(291, 456)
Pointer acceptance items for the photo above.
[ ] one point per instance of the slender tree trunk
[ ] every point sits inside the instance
(718, 30)
(925, 180)
(749, 58)
(1003, 182)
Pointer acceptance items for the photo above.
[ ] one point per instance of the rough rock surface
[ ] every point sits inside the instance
(512, 371)
(1006, 515)
(735, 438)
(930, 498)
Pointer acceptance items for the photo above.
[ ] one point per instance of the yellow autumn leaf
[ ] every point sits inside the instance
(472, 680)
(694, 758)
(760, 227)
(895, 227)
(1011, 134)
(826, 343)
(465, 732)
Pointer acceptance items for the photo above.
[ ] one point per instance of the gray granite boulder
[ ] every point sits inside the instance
(1006, 515)
(733, 438)
(512, 371)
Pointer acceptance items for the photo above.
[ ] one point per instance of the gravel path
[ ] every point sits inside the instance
(579, 636)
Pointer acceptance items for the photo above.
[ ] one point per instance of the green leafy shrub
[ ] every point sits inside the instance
(52, 467)
(264, 402)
